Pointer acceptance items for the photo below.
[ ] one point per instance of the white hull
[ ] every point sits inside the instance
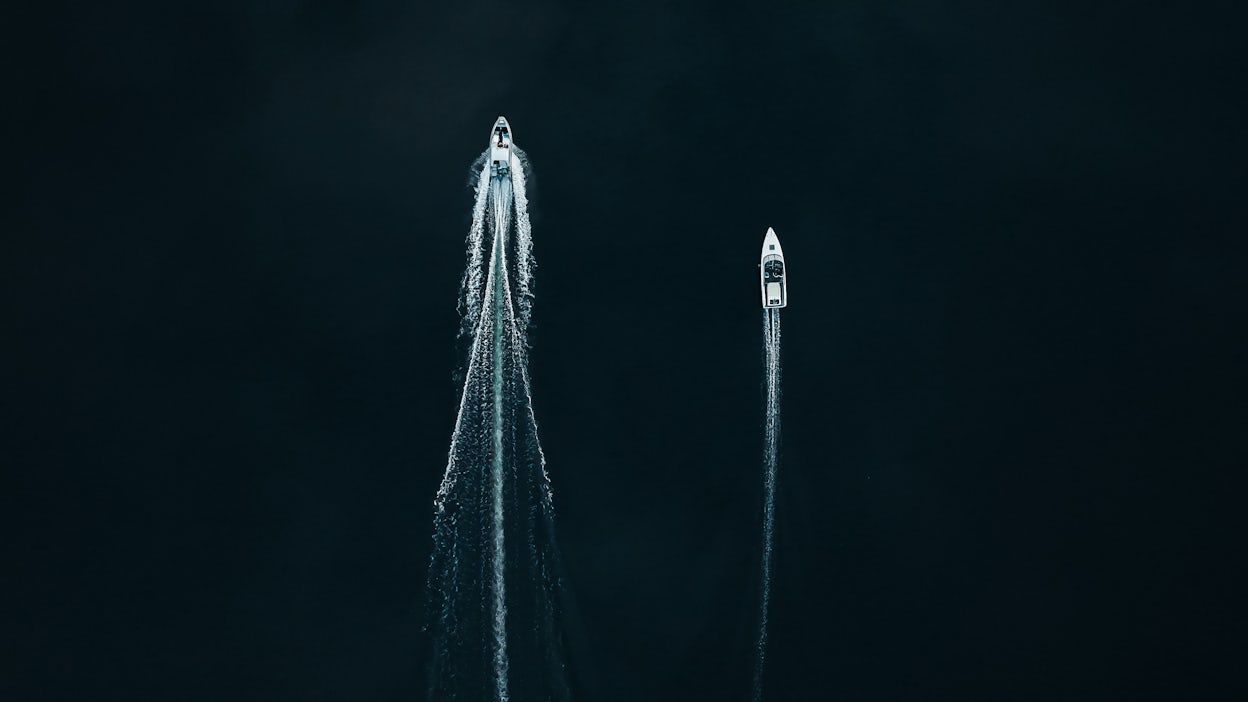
(772, 275)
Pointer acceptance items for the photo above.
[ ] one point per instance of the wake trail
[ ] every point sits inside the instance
(497, 274)
(525, 263)
(771, 436)
(470, 286)
(492, 589)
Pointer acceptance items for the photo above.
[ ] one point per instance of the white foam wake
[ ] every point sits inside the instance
(525, 262)
(470, 286)
(498, 308)
(492, 582)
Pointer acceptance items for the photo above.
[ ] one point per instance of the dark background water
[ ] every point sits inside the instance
(1013, 405)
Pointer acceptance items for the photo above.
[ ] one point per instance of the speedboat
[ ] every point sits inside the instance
(771, 279)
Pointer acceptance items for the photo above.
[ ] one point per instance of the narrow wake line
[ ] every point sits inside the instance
(497, 273)
(771, 433)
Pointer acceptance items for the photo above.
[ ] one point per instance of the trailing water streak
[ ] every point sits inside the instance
(492, 588)
(771, 437)
(498, 307)
(525, 262)
(470, 286)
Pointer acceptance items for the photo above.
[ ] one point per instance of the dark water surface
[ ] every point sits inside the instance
(1012, 403)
